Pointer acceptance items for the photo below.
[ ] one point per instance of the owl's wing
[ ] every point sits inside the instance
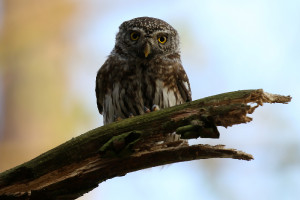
(183, 84)
(99, 93)
(101, 85)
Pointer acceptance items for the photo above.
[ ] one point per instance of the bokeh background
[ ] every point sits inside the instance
(50, 52)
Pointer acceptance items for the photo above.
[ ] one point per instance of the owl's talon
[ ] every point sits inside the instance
(146, 110)
(117, 118)
(155, 107)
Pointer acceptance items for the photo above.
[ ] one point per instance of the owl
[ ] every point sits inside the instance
(143, 72)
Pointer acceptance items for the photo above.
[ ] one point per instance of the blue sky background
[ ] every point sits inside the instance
(226, 46)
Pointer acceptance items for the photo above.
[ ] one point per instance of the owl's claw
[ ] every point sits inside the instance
(155, 107)
(146, 110)
(117, 118)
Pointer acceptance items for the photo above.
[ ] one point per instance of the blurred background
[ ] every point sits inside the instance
(50, 52)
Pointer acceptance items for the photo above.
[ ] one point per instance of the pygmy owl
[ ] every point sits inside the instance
(143, 71)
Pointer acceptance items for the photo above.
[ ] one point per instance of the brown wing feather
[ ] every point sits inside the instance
(183, 84)
(101, 85)
(99, 93)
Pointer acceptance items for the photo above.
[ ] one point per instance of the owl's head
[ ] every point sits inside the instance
(146, 37)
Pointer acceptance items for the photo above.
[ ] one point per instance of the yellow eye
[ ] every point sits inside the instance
(162, 39)
(134, 35)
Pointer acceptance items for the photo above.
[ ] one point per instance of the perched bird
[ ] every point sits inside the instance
(143, 72)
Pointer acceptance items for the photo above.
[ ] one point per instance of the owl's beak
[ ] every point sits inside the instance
(147, 50)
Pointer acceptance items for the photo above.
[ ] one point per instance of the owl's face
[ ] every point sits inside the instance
(146, 38)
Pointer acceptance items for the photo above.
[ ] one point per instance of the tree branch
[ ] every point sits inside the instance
(79, 165)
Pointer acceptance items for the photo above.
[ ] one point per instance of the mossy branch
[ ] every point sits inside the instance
(79, 165)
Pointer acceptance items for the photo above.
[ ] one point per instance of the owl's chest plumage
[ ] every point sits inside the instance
(135, 86)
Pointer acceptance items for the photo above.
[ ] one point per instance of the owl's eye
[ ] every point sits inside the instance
(162, 39)
(134, 35)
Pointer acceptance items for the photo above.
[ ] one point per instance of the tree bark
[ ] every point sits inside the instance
(79, 165)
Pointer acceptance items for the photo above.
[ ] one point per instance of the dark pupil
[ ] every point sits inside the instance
(134, 36)
(162, 39)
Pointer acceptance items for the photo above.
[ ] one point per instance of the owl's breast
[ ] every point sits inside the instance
(140, 86)
(166, 96)
(159, 85)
